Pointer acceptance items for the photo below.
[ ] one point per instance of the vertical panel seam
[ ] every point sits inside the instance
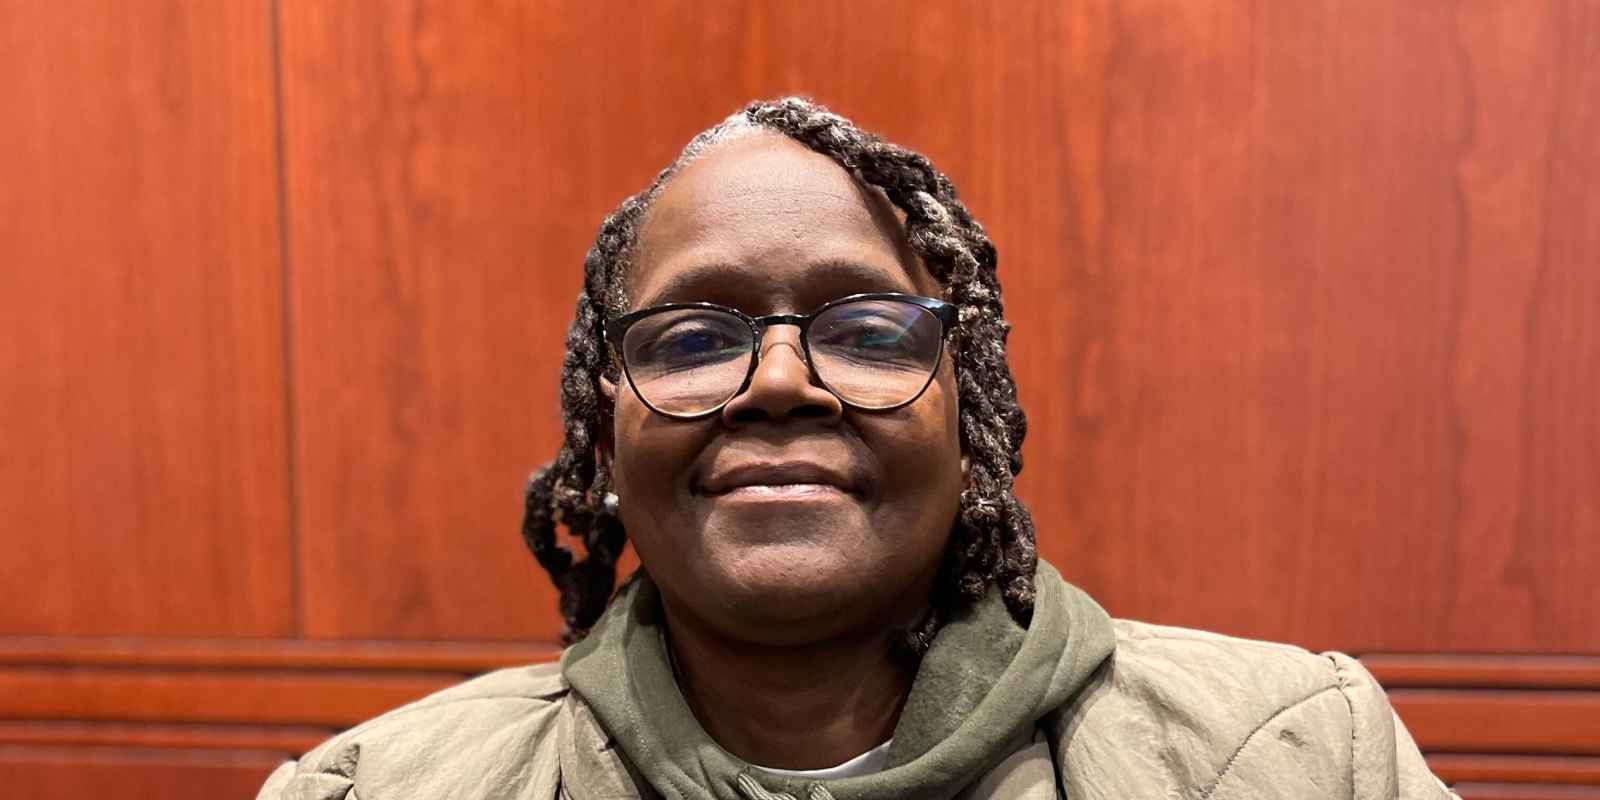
(286, 301)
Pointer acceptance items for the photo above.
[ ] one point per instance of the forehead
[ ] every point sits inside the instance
(764, 222)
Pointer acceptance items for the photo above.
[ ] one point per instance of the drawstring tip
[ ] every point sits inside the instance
(753, 790)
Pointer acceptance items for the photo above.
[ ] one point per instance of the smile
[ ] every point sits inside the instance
(784, 492)
(791, 480)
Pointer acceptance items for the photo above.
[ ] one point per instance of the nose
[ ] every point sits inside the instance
(782, 386)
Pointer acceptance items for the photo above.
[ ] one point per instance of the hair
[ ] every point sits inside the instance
(992, 539)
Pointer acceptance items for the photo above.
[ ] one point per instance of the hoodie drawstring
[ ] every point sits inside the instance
(752, 789)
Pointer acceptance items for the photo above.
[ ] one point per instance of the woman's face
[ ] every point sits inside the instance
(766, 226)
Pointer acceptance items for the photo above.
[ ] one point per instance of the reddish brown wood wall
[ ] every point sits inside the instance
(1304, 300)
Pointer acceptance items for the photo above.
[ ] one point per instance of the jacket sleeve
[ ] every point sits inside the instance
(1385, 762)
(273, 788)
(493, 736)
(334, 780)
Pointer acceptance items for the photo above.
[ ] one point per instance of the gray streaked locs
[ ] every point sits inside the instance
(992, 541)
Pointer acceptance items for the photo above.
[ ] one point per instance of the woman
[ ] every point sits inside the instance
(786, 384)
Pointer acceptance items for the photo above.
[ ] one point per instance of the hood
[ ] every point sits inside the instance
(978, 695)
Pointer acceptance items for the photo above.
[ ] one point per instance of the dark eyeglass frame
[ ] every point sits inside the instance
(616, 330)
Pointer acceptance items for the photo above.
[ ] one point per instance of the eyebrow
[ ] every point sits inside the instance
(691, 283)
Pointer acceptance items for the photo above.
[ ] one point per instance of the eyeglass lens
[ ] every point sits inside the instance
(871, 353)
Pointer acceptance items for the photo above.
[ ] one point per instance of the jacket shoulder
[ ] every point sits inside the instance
(490, 734)
(1187, 713)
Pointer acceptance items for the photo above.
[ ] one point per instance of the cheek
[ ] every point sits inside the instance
(651, 456)
(922, 453)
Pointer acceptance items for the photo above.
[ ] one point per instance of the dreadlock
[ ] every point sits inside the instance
(992, 541)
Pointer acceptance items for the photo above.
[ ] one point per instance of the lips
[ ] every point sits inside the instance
(726, 480)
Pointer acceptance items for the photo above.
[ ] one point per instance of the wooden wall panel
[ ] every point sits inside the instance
(1321, 367)
(1572, 770)
(1483, 671)
(285, 740)
(143, 486)
(1517, 791)
(427, 287)
(299, 654)
(1449, 720)
(1301, 295)
(323, 698)
(132, 773)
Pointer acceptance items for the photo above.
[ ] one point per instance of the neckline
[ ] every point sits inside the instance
(874, 760)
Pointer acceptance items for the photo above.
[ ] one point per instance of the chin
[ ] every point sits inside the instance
(786, 593)
(782, 579)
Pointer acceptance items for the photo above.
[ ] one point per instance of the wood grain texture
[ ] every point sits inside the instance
(1501, 721)
(142, 476)
(1516, 791)
(1483, 671)
(267, 697)
(426, 289)
(463, 657)
(1303, 296)
(1479, 768)
(132, 773)
(1330, 290)
(290, 741)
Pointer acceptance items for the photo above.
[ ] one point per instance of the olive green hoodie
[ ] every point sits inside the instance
(978, 696)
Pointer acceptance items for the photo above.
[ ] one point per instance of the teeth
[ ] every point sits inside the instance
(784, 488)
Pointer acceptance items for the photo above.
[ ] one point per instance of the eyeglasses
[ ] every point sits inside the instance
(875, 352)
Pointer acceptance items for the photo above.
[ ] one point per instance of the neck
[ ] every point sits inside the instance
(807, 706)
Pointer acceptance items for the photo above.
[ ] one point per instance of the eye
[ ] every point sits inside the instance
(686, 339)
(689, 343)
(870, 330)
(866, 335)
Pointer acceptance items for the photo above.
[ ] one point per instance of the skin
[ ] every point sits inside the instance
(782, 604)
